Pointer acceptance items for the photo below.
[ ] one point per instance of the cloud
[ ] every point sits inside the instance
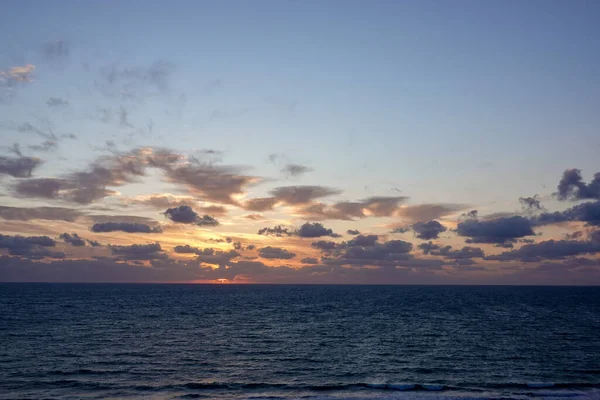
(276, 253)
(309, 260)
(17, 74)
(47, 145)
(549, 249)
(208, 255)
(294, 170)
(427, 212)
(151, 251)
(428, 230)
(73, 239)
(29, 246)
(313, 230)
(260, 204)
(128, 227)
(277, 231)
(254, 217)
(56, 102)
(324, 245)
(353, 232)
(56, 50)
(531, 204)
(18, 167)
(294, 195)
(393, 250)
(572, 187)
(464, 253)
(47, 213)
(363, 240)
(185, 215)
(428, 247)
(217, 184)
(498, 230)
(586, 212)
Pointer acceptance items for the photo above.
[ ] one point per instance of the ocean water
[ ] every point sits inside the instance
(310, 342)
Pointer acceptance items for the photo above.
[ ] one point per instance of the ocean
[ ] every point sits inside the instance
(96, 341)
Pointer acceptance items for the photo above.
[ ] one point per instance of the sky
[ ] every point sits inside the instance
(381, 142)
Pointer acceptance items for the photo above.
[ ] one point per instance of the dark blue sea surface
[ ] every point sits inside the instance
(311, 342)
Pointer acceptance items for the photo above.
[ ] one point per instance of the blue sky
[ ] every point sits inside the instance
(463, 102)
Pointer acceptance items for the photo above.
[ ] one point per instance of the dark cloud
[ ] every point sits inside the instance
(572, 187)
(324, 245)
(47, 213)
(29, 246)
(464, 253)
(294, 195)
(574, 235)
(586, 212)
(151, 251)
(216, 184)
(309, 260)
(277, 231)
(275, 252)
(531, 204)
(260, 204)
(393, 250)
(56, 50)
(57, 102)
(18, 167)
(254, 217)
(47, 145)
(427, 212)
(39, 187)
(363, 240)
(162, 201)
(294, 170)
(73, 239)
(428, 247)
(428, 230)
(473, 214)
(550, 249)
(314, 230)
(185, 215)
(383, 206)
(209, 255)
(498, 230)
(353, 232)
(129, 227)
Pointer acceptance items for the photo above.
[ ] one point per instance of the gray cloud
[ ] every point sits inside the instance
(586, 212)
(309, 260)
(314, 230)
(427, 212)
(428, 230)
(550, 249)
(531, 204)
(363, 240)
(151, 251)
(324, 245)
(73, 239)
(572, 187)
(56, 50)
(55, 102)
(498, 230)
(128, 227)
(277, 231)
(294, 170)
(208, 255)
(260, 204)
(47, 213)
(29, 246)
(39, 187)
(276, 253)
(185, 215)
(428, 247)
(294, 195)
(18, 167)
(353, 232)
(47, 145)
(464, 253)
